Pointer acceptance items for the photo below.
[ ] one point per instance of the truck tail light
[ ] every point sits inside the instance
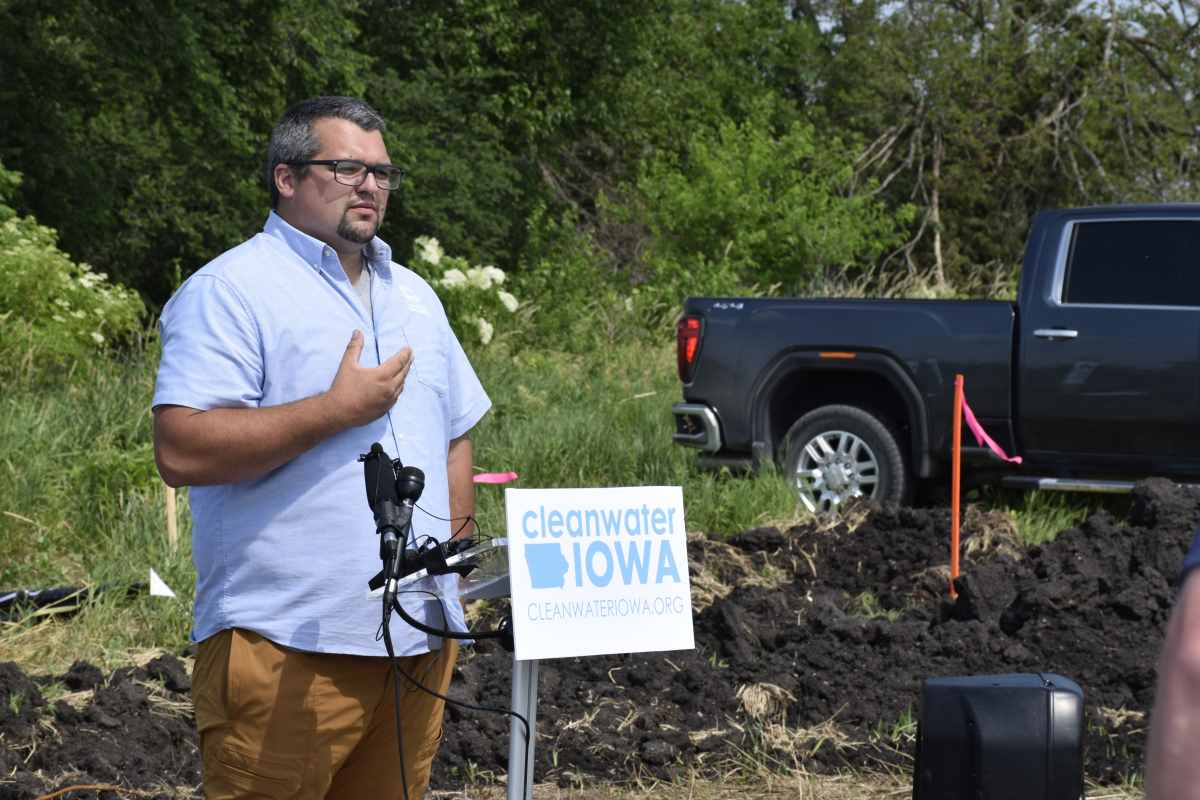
(687, 345)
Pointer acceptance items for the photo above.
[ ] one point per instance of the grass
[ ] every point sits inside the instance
(562, 420)
(867, 606)
(1040, 516)
(81, 503)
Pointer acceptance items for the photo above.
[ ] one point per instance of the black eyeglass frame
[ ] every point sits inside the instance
(390, 172)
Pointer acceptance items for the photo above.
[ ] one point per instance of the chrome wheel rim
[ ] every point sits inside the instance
(835, 466)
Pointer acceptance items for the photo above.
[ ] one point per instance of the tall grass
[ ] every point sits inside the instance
(604, 419)
(81, 503)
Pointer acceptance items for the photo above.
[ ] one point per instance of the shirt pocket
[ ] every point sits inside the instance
(430, 367)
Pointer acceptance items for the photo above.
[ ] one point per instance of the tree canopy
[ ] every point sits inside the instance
(695, 144)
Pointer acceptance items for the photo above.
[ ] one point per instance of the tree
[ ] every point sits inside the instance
(141, 126)
(760, 206)
(984, 112)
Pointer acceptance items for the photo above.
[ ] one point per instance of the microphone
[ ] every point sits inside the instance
(392, 499)
(407, 488)
(409, 484)
(380, 479)
(391, 518)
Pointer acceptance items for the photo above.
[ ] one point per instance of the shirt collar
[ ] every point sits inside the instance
(322, 256)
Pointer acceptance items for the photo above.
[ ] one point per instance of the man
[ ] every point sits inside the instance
(1172, 769)
(283, 360)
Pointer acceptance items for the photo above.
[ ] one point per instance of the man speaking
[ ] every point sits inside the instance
(283, 360)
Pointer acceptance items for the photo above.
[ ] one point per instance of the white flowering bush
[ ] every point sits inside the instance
(53, 311)
(475, 303)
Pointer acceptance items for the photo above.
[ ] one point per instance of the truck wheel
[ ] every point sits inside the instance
(834, 453)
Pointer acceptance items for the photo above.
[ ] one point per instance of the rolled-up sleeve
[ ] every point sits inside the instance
(212, 354)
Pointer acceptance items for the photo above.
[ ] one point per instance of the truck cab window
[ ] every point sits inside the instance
(1134, 262)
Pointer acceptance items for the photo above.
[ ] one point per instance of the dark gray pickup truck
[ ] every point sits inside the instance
(1092, 376)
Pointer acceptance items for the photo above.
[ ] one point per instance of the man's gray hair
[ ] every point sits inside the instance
(293, 138)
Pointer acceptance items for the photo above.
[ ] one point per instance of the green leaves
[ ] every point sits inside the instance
(748, 205)
(53, 311)
(152, 118)
(703, 143)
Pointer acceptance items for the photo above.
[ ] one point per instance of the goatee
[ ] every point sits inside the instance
(359, 234)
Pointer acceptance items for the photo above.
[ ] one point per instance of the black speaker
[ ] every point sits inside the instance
(1000, 737)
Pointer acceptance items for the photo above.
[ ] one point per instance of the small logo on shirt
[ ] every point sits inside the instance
(412, 301)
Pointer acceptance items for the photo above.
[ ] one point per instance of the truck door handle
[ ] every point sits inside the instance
(1055, 333)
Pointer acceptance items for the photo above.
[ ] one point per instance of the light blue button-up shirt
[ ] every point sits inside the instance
(289, 554)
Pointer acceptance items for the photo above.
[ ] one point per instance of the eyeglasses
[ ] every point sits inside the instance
(354, 173)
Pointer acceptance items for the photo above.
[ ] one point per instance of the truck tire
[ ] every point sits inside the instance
(835, 453)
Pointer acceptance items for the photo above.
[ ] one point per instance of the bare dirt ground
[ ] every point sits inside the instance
(812, 644)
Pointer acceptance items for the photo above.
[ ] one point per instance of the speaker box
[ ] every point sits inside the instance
(1000, 737)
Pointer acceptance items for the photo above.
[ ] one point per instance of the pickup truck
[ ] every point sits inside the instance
(1092, 376)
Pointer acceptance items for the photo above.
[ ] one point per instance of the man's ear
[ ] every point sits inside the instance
(285, 180)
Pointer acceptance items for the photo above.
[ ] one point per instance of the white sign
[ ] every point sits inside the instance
(596, 571)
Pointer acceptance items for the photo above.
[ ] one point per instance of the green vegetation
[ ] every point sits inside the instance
(1040, 516)
(53, 312)
(745, 204)
(603, 419)
(687, 145)
(606, 158)
(867, 606)
(81, 503)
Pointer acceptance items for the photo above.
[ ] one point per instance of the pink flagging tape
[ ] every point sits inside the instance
(495, 477)
(981, 435)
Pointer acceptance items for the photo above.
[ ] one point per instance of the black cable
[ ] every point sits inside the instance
(395, 668)
(484, 537)
(445, 633)
(465, 520)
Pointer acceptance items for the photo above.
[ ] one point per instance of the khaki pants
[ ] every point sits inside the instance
(279, 723)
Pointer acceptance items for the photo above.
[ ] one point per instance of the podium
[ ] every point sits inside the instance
(490, 581)
(593, 571)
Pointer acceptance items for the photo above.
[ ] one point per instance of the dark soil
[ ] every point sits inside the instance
(811, 648)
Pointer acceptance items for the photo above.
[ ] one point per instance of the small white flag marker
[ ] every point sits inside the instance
(158, 587)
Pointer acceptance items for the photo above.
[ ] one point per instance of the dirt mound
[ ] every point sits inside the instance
(811, 646)
(134, 729)
(844, 625)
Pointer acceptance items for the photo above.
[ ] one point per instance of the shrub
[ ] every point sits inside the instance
(581, 299)
(749, 204)
(53, 311)
(473, 296)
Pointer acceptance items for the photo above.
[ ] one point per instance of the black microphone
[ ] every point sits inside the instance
(390, 517)
(379, 475)
(407, 489)
(380, 479)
